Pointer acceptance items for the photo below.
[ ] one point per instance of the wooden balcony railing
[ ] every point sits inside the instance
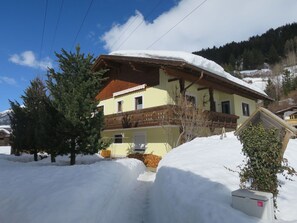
(163, 115)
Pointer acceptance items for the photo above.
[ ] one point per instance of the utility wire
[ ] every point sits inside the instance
(124, 31)
(56, 28)
(44, 20)
(128, 37)
(197, 7)
(81, 25)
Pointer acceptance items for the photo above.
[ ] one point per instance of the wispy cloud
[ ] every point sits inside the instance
(27, 58)
(7, 80)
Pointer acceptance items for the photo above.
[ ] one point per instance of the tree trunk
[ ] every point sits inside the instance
(182, 87)
(72, 152)
(211, 100)
(35, 155)
(53, 157)
(179, 139)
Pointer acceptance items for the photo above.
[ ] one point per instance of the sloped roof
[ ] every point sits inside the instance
(183, 60)
(268, 119)
(294, 107)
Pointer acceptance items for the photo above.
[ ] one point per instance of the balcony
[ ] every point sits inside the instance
(163, 115)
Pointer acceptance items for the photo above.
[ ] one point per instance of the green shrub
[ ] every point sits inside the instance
(263, 150)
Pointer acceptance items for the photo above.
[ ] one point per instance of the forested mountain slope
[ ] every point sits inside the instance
(270, 47)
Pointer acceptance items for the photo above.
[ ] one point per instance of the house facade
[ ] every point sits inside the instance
(5, 129)
(4, 135)
(141, 90)
(289, 114)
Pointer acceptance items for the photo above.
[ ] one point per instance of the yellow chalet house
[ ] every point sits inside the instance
(141, 89)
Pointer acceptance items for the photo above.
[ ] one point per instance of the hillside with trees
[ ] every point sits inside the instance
(276, 49)
(270, 47)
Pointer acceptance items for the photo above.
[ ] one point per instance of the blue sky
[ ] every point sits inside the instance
(121, 24)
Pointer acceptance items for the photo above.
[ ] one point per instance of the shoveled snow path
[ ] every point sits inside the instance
(140, 198)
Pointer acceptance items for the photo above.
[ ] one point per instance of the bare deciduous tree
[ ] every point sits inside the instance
(193, 122)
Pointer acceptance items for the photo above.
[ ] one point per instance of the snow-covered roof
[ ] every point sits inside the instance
(5, 131)
(191, 59)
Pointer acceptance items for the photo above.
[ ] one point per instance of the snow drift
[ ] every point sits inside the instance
(193, 185)
(41, 192)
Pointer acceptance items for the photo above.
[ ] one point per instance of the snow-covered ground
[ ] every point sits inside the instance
(251, 73)
(191, 185)
(102, 191)
(259, 82)
(5, 150)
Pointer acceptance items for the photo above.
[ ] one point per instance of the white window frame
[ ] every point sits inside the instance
(248, 107)
(117, 103)
(145, 140)
(134, 102)
(114, 137)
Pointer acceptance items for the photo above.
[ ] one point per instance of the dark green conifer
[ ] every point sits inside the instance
(73, 90)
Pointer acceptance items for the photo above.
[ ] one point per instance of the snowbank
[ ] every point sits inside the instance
(36, 192)
(190, 58)
(193, 185)
(5, 149)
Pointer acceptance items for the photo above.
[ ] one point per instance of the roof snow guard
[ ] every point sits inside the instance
(186, 60)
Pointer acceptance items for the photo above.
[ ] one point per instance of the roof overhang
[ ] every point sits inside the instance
(186, 70)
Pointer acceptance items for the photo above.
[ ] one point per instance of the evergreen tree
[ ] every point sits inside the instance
(33, 102)
(270, 89)
(18, 123)
(272, 55)
(287, 82)
(53, 141)
(73, 91)
(258, 59)
(232, 61)
(271, 46)
(289, 46)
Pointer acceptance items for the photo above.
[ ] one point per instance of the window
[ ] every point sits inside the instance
(245, 109)
(191, 100)
(120, 106)
(118, 138)
(226, 107)
(139, 142)
(138, 103)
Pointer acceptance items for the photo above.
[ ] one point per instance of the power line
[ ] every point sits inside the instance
(156, 6)
(44, 20)
(124, 31)
(197, 7)
(56, 28)
(81, 25)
